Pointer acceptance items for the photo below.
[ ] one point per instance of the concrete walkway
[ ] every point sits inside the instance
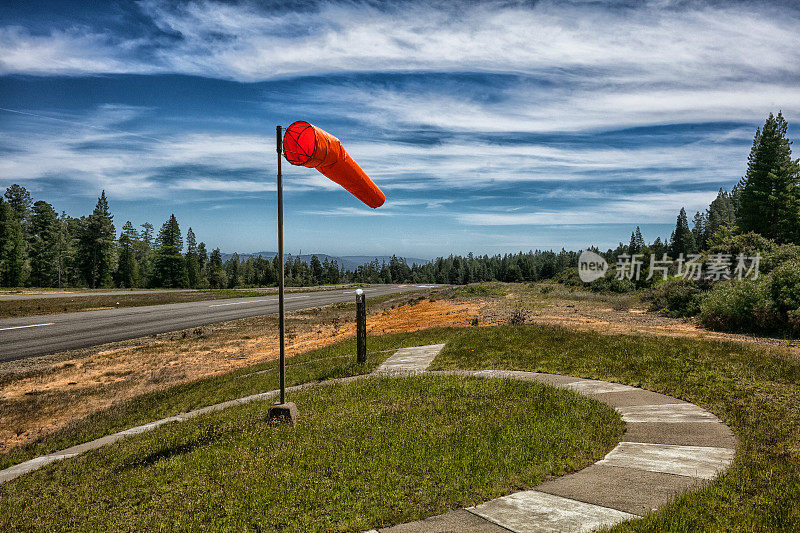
(669, 447)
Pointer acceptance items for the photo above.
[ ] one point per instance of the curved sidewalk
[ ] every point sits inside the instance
(669, 447)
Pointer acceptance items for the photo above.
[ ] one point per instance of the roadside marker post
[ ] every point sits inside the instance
(309, 146)
(361, 327)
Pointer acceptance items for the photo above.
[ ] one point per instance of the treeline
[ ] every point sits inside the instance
(759, 217)
(40, 248)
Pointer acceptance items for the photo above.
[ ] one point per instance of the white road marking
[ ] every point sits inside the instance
(273, 300)
(31, 326)
(240, 303)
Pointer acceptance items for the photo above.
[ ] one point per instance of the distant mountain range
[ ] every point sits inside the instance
(348, 262)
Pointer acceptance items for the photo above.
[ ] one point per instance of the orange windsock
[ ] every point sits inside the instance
(309, 146)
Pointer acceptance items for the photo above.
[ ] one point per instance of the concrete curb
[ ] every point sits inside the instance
(670, 447)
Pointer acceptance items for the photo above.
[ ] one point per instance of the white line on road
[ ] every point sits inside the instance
(257, 301)
(30, 326)
(240, 303)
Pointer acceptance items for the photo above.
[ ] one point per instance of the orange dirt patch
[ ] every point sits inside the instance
(48, 399)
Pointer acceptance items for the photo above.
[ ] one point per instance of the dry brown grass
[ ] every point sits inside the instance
(42, 395)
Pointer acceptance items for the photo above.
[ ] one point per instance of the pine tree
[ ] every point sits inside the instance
(316, 270)
(69, 258)
(682, 241)
(770, 190)
(632, 244)
(699, 230)
(640, 245)
(722, 211)
(144, 253)
(192, 260)
(169, 266)
(19, 199)
(96, 245)
(232, 271)
(44, 245)
(216, 273)
(13, 268)
(202, 259)
(128, 266)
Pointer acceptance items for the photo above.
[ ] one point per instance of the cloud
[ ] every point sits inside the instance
(349, 211)
(651, 43)
(521, 107)
(630, 209)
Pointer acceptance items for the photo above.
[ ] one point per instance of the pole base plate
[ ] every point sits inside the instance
(283, 412)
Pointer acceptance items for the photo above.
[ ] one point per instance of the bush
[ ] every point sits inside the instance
(794, 321)
(745, 243)
(740, 306)
(786, 253)
(675, 297)
(784, 286)
(610, 283)
(570, 278)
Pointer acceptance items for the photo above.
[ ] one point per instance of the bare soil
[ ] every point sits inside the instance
(41, 395)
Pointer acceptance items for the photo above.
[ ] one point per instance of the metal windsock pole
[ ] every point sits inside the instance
(281, 318)
(282, 411)
(309, 146)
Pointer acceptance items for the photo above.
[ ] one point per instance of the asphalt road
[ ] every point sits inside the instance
(44, 334)
(80, 294)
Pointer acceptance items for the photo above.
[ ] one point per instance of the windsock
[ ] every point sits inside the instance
(309, 146)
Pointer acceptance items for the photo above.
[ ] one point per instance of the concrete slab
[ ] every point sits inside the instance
(683, 434)
(459, 521)
(636, 397)
(549, 379)
(556, 380)
(666, 413)
(410, 360)
(625, 489)
(593, 386)
(532, 511)
(29, 466)
(702, 462)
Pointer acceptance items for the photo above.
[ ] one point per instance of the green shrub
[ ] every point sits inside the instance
(748, 244)
(793, 318)
(676, 297)
(740, 306)
(570, 277)
(784, 286)
(610, 283)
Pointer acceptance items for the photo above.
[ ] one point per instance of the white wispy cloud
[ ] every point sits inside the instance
(650, 43)
(631, 209)
(89, 150)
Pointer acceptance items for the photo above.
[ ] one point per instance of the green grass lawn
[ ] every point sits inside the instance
(368, 453)
(333, 361)
(756, 391)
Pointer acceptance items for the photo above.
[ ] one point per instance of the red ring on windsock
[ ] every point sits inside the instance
(309, 146)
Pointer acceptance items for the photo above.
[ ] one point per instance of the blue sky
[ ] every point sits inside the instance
(491, 126)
